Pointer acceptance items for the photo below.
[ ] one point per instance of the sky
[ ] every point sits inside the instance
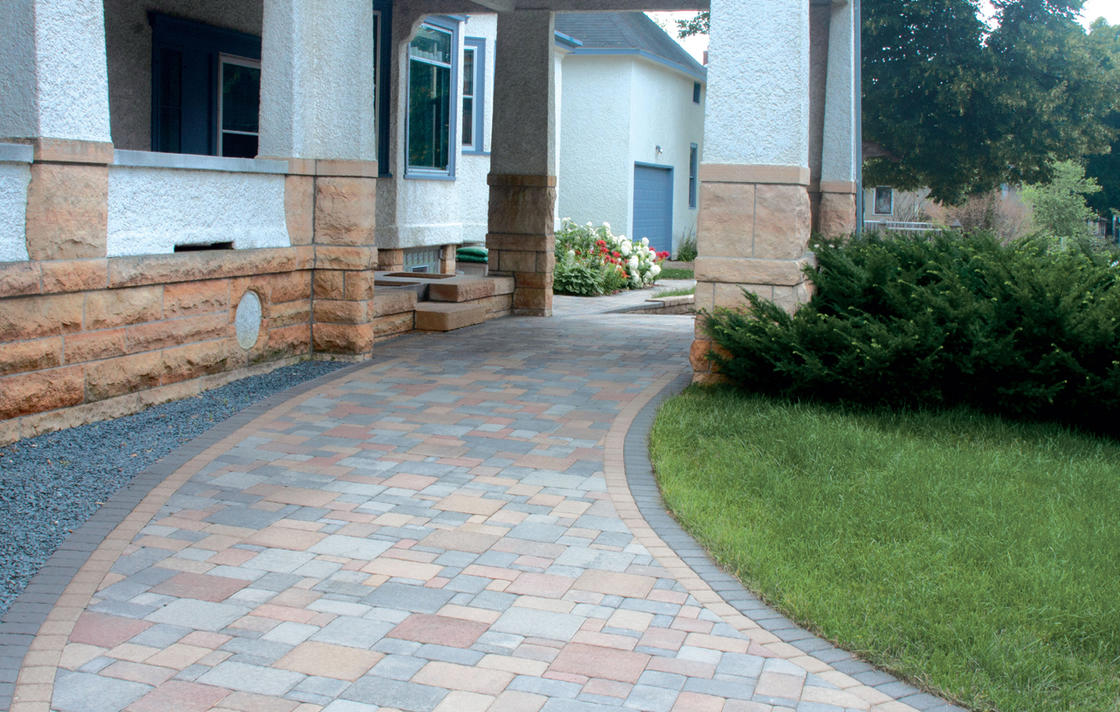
(1108, 9)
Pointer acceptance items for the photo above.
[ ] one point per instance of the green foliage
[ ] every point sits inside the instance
(687, 251)
(699, 24)
(592, 261)
(961, 108)
(1059, 206)
(909, 321)
(1105, 167)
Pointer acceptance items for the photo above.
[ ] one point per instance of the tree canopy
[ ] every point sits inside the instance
(961, 104)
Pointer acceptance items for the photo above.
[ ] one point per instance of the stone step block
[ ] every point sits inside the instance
(446, 316)
(388, 300)
(468, 289)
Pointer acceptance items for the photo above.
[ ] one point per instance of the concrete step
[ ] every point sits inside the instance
(446, 316)
(463, 288)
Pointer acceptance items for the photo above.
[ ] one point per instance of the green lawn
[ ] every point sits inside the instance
(970, 555)
(676, 273)
(682, 292)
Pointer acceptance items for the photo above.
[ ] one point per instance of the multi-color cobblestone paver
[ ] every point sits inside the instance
(447, 528)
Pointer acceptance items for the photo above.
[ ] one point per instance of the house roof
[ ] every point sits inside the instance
(627, 33)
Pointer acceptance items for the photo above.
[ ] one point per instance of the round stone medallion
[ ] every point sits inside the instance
(248, 320)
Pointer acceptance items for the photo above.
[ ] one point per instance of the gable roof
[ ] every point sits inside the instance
(627, 33)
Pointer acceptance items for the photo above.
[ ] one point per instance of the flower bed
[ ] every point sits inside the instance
(592, 261)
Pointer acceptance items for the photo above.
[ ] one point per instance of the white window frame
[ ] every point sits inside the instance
(454, 104)
(224, 59)
(875, 200)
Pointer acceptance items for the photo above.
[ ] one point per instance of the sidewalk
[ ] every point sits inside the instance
(460, 524)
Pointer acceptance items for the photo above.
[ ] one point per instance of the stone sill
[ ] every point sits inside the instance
(16, 153)
(193, 162)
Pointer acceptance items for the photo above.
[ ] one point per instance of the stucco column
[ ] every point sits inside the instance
(54, 94)
(317, 112)
(755, 218)
(839, 148)
(522, 177)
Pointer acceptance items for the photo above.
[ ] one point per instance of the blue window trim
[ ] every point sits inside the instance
(479, 117)
(450, 24)
(693, 173)
(201, 46)
(384, 89)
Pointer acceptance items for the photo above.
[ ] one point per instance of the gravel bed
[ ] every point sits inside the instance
(51, 484)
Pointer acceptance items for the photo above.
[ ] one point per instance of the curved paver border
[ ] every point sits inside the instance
(47, 608)
(675, 548)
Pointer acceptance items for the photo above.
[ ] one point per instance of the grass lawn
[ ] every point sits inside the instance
(973, 556)
(682, 292)
(676, 273)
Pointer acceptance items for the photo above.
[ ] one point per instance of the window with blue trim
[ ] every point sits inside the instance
(206, 85)
(431, 100)
(693, 173)
(474, 94)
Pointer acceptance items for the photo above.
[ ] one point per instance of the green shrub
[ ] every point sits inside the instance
(687, 251)
(917, 321)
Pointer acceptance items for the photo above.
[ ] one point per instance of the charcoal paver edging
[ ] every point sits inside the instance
(643, 487)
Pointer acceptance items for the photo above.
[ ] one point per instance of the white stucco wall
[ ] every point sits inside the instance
(153, 209)
(664, 115)
(52, 70)
(420, 212)
(758, 79)
(15, 175)
(317, 80)
(128, 39)
(596, 169)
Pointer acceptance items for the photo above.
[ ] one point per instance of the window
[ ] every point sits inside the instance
(206, 84)
(239, 98)
(474, 77)
(693, 171)
(422, 259)
(884, 201)
(696, 92)
(430, 101)
(382, 58)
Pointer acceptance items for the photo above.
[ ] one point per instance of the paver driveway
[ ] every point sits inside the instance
(448, 527)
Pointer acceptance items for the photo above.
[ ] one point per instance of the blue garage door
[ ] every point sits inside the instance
(653, 205)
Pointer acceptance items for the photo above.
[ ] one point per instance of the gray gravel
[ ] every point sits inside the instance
(51, 484)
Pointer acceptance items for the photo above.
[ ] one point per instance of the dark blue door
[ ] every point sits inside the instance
(653, 206)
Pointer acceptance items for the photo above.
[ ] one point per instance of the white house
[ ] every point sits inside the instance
(631, 127)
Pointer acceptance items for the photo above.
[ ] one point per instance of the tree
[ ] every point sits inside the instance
(1105, 168)
(961, 107)
(1059, 205)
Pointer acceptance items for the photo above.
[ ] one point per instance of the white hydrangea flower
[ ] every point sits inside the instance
(655, 269)
(645, 242)
(625, 247)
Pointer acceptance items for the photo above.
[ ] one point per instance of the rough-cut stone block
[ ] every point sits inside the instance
(30, 355)
(30, 317)
(196, 360)
(19, 278)
(393, 301)
(95, 345)
(750, 271)
(836, 214)
(176, 332)
(358, 285)
(390, 260)
(782, 222)
(465, 289)
(731, 295)
(127, 374)
(329, 284)
(67, 211)
(345, 257)
(522, 209)
(341, 311)
(117, 307)
(75, 275)
(439, 316)
(344, 210)
(215, 264)
(513, 261)
(299, 208)
(62, 150)
(187, 298)
(285, 341)
(392, 325)
(287, 314)
(725, 224)
(497, 305)
(40, 391)
(289, 287)
(541, 242)
(343, 338)
(533, 302)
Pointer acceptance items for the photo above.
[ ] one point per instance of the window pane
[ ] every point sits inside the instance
(429, 115)
(239, 145)
(468, 72)
(431, 44)
(468, 121)
(241, 95)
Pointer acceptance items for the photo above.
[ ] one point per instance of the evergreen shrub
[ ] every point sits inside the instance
(946, 320)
